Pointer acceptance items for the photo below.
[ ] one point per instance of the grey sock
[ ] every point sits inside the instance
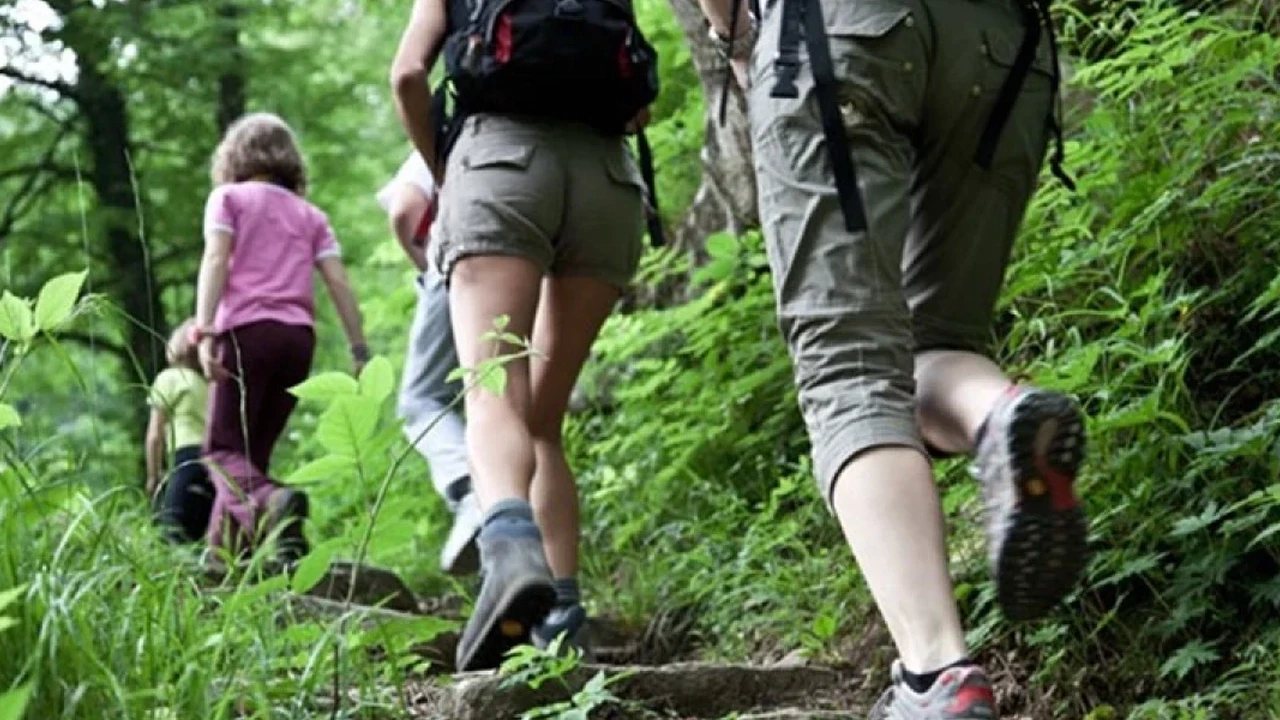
(567, 592)
(510, 518)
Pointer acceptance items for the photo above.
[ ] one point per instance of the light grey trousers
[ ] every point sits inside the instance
(425, 391)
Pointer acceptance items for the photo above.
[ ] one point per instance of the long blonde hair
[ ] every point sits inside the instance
(260, 145)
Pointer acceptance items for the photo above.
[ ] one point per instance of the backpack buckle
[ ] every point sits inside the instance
(786, 69)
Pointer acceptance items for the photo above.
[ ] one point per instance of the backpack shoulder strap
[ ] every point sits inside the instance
(804, 18)
(652, 218)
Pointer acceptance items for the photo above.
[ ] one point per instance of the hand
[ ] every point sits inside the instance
(639, 122)
(740, 74)
(359, 357)
(418, 256)
(152, 485)
(213, 369)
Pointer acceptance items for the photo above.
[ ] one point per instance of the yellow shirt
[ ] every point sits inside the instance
(182, 395)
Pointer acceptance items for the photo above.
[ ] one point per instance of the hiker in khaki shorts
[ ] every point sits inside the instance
(897, 144)
(541, 218)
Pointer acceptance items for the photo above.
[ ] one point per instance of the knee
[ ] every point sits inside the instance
(483, 406)
(547, 435)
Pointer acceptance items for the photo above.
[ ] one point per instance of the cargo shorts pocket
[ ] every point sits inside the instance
(494, 183)
(629, 203)
(1020, 150)
(881, 58)
(516, 157)
(625, 176)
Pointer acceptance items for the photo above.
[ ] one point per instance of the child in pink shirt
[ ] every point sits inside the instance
(255, 314)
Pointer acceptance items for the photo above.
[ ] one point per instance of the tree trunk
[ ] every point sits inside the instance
(232, 81)
(121, 211)
(726, 199)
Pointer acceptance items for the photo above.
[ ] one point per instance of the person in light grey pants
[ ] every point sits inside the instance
(432, 421)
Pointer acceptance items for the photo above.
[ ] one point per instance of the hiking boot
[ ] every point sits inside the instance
(1028, 455)
(958, 694)
(571, 621)
(515, 596)
(288, 509)
(460, 556)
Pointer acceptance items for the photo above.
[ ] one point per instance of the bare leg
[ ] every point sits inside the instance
(956, 391)
(573, 310)
(888, 507)
(483, 288)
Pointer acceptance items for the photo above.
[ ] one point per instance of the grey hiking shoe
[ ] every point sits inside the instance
(958, 694)
(288, 508)
(460, 555)
(1027, 460)
(515, 596)
(570, 621)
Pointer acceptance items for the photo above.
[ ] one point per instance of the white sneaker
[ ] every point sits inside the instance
(460, 556)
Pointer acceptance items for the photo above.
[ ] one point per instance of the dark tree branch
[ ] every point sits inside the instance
(62, 88)
(45, 110)
(62, 6)
(34, 186)
(62, 172)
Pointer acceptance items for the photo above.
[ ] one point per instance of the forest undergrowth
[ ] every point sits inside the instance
(1150, 294)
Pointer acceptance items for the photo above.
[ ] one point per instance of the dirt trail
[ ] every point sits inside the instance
(653, 690)
(644, 681)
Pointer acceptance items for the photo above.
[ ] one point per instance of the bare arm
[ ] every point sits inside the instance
(419, 48)
(408, 206)
(720, 14)
(210, 283)
(344, 299)
(157, 427)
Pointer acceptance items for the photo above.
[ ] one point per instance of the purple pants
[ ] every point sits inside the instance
(268, 358)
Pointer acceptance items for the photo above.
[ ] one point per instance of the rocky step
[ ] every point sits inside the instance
(362, 584)
(613, 645)
(687, 691)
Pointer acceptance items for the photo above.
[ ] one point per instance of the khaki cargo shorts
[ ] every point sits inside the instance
(561, 195)
(918, 79)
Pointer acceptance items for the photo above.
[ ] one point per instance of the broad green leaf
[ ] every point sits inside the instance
(311, 569)
(9, 417)
(493, 377)
(329, 467)
(326, 386)
(377, 379)
(13, 704)
(8, 596)
(16, 323)
(722, 245)
(348, 423)
(6, 623)
(57, 299)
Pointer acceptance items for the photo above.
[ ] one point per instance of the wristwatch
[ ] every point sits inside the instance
(736, 48)
(360, 352)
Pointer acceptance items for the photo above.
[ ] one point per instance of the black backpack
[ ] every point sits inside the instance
(573, 60)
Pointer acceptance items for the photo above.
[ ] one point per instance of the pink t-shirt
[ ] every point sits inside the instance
(276, 239)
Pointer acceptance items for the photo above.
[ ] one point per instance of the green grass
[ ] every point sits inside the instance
(1150, 295)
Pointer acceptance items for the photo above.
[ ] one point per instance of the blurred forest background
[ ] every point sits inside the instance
(1151, 294)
